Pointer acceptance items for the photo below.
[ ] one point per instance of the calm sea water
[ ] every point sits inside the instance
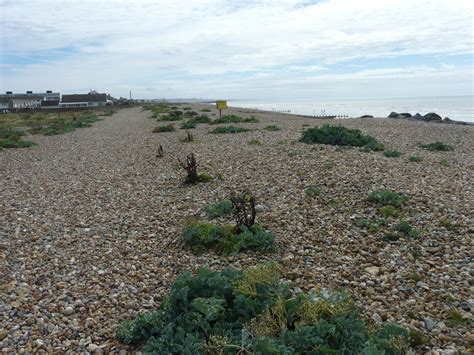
(460, 108)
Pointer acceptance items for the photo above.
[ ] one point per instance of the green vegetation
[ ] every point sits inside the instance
(445, 163)
(252, 312)
(392, 153)
(254, 142)
(191, 114)
(388, 211)
(187, 108)
(204, 177)
(225, 239)
(455, 317)
(415, 158)
(341, 136)
(235, 119)
(229, 129)
(312, 191)
(205, 110)
(416, 276)
(200, 119)
(13, 139)
(188, 139)
(386, 197)
(219, 209)
(188, 125)
(407, 230)
(437, 146)
(169, 118)
(161, 129)
(272, 128)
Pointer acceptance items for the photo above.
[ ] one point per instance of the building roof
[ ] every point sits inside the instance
(84, 98)
(26, 97)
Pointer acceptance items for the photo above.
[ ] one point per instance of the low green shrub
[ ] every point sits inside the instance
(224, 239)
(341, 136)
(219, 209)
(252, 312)
(388, 211)
(200, 119)
(190, 114)
(254, 142)
(187, 108)
(204, 177)
(437, 146)
(407, 230)
(188, 125)
(161, 129)
(169, 118)
(272, 128)
(392, 153)
(445, 163)
(235, 119)
(386, 197)
(456, 318)
(415, 158)
(12, 142)
(312, 191)
(229, 129)
(205, 110)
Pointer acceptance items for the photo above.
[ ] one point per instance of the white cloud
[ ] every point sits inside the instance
(140, 44)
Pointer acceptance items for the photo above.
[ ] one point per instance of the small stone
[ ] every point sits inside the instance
(429, 324)
(3, 334)
(92, 347)
(469, 338)
(259, 208)
(376, 318)
(373, 270)
(68, 311)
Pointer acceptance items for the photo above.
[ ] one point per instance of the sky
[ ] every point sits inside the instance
(290, 49)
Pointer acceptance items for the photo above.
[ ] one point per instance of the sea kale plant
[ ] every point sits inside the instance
(252, 312)
(231, 239)
(341, 136)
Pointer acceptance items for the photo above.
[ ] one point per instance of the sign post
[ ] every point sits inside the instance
(221, 105)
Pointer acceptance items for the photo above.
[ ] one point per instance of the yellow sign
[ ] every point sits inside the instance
(221, 104)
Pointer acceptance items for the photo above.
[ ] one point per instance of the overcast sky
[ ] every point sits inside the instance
(239, 49)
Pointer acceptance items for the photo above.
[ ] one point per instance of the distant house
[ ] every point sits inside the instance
(30, 100)
(20, 102)
(84, 100)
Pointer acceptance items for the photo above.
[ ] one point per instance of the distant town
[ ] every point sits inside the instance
(48, 100)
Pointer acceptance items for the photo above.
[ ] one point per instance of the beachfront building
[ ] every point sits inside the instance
(29, 100)
(92, 99)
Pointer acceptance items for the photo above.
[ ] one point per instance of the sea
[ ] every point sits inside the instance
(459, 108)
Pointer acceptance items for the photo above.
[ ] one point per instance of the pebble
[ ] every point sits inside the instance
(68, 311)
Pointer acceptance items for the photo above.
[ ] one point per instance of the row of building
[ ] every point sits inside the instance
(51, 100)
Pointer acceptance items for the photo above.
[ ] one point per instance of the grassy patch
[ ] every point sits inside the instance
(254, 142)
(407, 230)
(188, 125)
(205, 110)
(437, 146)
(162, 129)
(445, 163)
(224, 239)
(235, 119)
(386, 197)
(392, 153)
(272, 128)
(219, 209)
(229, 129)
(252, 312)
(341, 136)
(455, 317)
(200, 119)
(312, 191)
(415, 158)
(388, 211)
